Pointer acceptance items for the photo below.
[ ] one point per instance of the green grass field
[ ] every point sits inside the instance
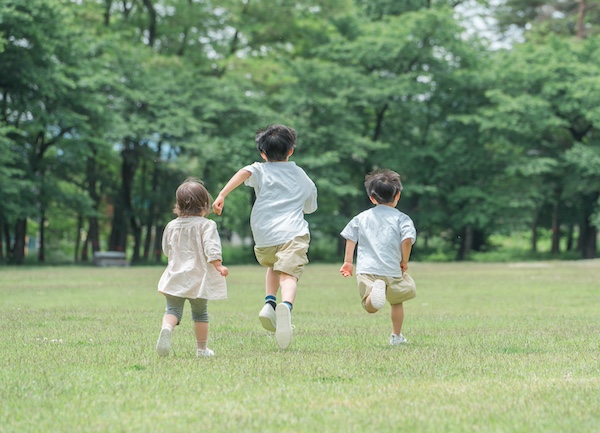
(492, 348)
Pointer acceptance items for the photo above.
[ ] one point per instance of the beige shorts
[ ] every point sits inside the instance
(288, 258)
(398, 289)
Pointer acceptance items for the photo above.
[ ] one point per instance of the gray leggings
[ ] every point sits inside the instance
(199, 308)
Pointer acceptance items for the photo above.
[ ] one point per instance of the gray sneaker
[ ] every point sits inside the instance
(283, 334)
(395, 340)
(267, 318)
(163, 345)
(378, 294)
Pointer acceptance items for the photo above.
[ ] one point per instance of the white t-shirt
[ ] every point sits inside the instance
(191, 244)
(284, 193)
(379, 233)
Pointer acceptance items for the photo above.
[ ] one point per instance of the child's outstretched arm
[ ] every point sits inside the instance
(406, 249)
(347, 268)
(233, 183)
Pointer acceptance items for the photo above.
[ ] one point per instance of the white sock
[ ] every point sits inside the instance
(168, 326)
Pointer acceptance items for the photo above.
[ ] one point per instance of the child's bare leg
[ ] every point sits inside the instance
(201, 331)
(289, 286)
(169, 321)
(397, 318)
(369, 307)
(272, 282)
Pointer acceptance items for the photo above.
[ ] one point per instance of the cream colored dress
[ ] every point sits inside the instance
(191, 244)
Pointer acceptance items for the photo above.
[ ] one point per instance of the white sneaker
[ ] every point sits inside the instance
(163, 345)
(378, 294)
(267, 318)
(283, 333)
(397, 339)
(204, 353)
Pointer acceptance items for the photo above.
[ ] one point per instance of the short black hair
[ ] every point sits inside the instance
(276, 141)
(383, 185)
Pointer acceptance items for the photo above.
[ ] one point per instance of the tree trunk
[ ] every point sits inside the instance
(7, 246)
(137, 238)
(534, 234)
(466, 243)
(42, 249)
(18, 253)
(152, 23)
(588, 233)
(78, 236)
(555, 249)
(94, 234)
(84, 249)
(148, 241)
(570, 237)
(158, 232)
(581, 19)
(123, 208)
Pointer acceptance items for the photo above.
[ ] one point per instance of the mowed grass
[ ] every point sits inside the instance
(492, 348)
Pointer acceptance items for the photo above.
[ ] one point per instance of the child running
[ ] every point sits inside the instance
(385, 237)
(195, 269)
(284, 193)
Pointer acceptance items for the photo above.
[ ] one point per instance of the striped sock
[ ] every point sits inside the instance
(271, 300)
(289, 305)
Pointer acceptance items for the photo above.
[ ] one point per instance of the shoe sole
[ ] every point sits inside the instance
(266, 322)
(378, 294)
(283, 333)
(163, 346)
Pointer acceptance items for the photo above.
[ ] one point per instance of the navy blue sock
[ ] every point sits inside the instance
(289, 305)
(271, 300)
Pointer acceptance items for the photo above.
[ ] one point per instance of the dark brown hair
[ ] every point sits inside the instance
(192, 199)
(383, 185)
(276, 141)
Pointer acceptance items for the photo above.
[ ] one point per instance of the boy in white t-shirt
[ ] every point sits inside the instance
(284, 193)
(385, 237)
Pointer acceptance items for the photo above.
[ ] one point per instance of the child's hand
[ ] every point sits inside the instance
(347, 269)
(404, 267)
(223, 270)
(218, 205)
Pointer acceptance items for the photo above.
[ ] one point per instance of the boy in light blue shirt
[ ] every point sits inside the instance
(284, 193)
(384, 236)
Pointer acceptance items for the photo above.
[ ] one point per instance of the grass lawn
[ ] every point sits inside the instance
(492, 348)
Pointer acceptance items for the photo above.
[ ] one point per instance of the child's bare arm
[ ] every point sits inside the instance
(233, 183)
(406, 249)
(218, 264)
(347, 268)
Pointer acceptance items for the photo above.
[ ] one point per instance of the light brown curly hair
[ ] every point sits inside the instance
(192, 199)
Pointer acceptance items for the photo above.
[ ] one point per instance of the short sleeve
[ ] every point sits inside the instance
(350, 232)
(408, 230)
(310, 205)
(253, 180)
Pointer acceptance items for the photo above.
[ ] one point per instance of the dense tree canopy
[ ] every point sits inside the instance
(106, 106)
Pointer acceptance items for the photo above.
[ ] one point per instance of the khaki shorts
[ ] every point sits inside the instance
(288, 258)
(398, 289)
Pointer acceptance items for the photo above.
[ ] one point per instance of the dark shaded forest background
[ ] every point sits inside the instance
(490, 111)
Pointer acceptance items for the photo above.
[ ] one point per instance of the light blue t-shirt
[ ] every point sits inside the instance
(284, 193)
(379, 233)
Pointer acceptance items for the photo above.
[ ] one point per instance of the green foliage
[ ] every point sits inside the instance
(106, 106)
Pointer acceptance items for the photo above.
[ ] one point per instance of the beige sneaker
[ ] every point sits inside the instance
(283, 333)
(267, 318)
(378, 294)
